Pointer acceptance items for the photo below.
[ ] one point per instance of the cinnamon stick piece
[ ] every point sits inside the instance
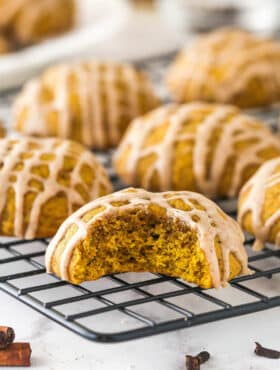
(16, 354)
(194, 362)
(7, 336)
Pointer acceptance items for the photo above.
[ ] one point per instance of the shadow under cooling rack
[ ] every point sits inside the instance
(128, 306)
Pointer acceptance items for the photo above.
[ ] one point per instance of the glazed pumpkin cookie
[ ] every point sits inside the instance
(181, 234)
(29, 21)
(91, 102)
(228, 66)
(259, 205)
(2, 130)
(4, 45)
(212, 149)
(42, 182)
(37, 20)
(8, 10)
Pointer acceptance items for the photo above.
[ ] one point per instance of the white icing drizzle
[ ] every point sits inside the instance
(107, 93)
(11, 152)
(240, 56)
(212, 223)
(257, 187)
(238, 129)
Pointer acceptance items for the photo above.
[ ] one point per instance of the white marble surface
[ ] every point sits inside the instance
(231, 343)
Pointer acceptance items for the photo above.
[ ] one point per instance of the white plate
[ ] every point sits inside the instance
(97, 21)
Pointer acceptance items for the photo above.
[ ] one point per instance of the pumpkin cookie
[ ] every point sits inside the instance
(209, 148)
(181, 234)
(228, 66)
(29, 21)
(43, 181)
(259, 205)
(91, 102)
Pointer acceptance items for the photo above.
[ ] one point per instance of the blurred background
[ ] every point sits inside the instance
(130, 30)
(156, 26)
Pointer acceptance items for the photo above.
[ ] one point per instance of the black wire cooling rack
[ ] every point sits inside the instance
(129, 306)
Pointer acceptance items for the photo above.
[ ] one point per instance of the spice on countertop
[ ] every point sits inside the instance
(13, 354)
(194, 362)
(266, 352)
(7, 336)
(16, 354)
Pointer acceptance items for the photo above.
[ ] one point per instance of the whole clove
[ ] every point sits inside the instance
(194, 362)
(7, 336)
(266, 352)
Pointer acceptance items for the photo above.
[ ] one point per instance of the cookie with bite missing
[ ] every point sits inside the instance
(180, 234)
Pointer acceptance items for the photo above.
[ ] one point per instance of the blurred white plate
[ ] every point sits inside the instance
(97, 21)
